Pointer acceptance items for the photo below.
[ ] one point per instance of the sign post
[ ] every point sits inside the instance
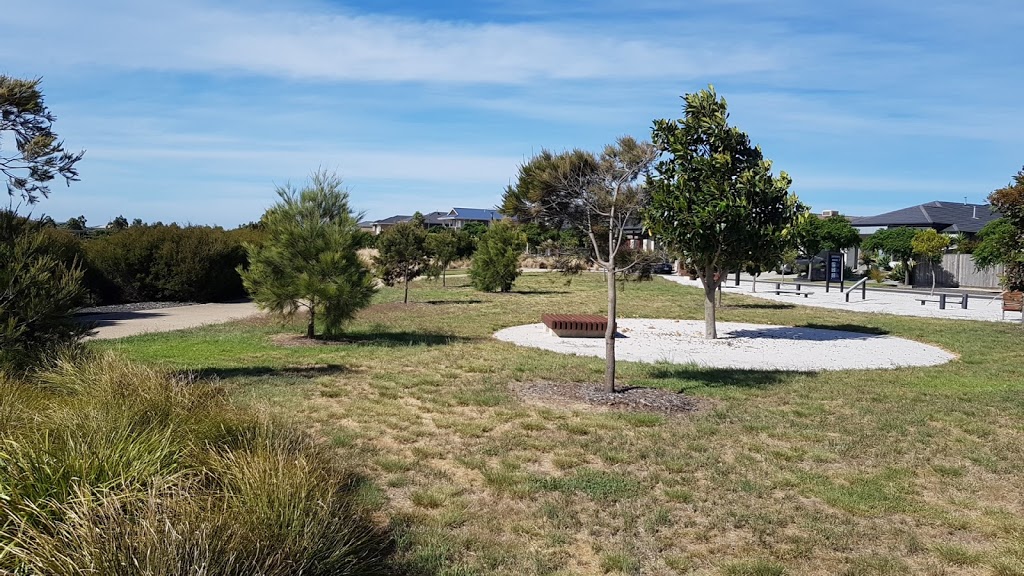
(834, 273)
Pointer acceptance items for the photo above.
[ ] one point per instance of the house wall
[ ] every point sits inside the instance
(957, 270)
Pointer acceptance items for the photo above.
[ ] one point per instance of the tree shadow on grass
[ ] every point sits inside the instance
(435, 302)
(310, 371)
(807, 333)
(694, 376)
(396, 339)
(99, 320)
(529, 292)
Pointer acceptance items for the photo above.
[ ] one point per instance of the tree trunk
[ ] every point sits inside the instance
(406, 301)
(444, 279)
(906, 273)
(311, 327)
(710, 287)
(934, 270)
(609, 335)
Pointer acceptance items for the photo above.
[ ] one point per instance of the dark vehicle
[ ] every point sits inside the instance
(663, 268)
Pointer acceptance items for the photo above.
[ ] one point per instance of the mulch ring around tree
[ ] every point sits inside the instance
(592, 395)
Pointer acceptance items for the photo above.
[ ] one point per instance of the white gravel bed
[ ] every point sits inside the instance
(741, 346)
(880, 302)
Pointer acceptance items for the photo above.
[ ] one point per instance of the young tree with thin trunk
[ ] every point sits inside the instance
(896, 244)
(308, 258)
(713, 195)
(402, 254)
(601, 196)
(444, 249)
(930, 245)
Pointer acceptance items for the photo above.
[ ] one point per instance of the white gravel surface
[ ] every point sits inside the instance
(881, 302)
(743, 346)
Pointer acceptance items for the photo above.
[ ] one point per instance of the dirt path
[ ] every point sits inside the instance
(120, 324)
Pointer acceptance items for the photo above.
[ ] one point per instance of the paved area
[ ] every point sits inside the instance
(130, 323)
(739, 346)
(983, 308)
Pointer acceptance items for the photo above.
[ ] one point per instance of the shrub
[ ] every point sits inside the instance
(112, 468)
(39, 292)
(496, 261)
(167, 263)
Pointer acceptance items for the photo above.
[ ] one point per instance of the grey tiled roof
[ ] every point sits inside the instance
(480, 214)
(942, 216)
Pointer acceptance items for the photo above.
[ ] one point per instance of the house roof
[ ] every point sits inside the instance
(434, 218)
(394, 220)
(942, 216)
(479, 214)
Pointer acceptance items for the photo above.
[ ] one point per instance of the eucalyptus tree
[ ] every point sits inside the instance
(599, 195)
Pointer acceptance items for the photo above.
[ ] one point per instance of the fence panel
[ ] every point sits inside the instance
(957, 270)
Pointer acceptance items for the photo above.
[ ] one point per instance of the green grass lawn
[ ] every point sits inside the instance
(909, 471)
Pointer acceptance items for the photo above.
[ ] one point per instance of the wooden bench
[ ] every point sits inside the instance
(1013, 302)
(576, 325)
(942, 297)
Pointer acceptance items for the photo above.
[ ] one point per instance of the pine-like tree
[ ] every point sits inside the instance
(308, 259)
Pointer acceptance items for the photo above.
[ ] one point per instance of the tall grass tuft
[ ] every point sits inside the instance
(107, 467)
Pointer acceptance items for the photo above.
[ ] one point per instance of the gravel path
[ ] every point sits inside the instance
(739, 346)
(879, 302)
(119, 322)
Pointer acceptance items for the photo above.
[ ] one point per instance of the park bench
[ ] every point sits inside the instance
(943, 297)
(781, 288)
(1013, 302)
(576, 325)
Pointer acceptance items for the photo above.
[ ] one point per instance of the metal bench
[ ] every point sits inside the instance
(779, 289)
(942, 297)
(576, 325)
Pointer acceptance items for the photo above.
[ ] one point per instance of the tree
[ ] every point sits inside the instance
(896, 244)
(309, 258)
(1002, 240)
(39, 291)
(598, 196)
(812, 234)
(930, 245)
(118, 224)
(444, 247)
(39, 156)
(75, 223)
(402, 254)
(495, 263)
(713, 195)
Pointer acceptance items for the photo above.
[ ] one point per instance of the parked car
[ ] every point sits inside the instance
(664, 267)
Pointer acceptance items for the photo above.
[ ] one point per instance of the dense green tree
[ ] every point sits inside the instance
(714, 197)
(39, 156)
(600, 196)
(402, 254)
(896, 244)
(117, 224)
(39, 292)
(812, 234)
(495, 265)
(475, 229)
(1002, 240)
(75, 223)
(929, 245)
(309, 258)
(443, 247)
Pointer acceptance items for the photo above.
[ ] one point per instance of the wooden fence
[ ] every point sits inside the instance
(957, 270)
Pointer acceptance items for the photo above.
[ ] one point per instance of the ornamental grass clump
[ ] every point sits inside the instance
(107, 467)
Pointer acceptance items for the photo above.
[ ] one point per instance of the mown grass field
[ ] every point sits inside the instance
(910, 471)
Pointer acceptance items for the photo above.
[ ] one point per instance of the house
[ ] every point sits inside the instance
(454, 218)
(459, 217)
(944, 217)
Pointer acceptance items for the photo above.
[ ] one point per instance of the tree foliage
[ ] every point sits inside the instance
(812, 234)
(600, 197)
(930, 246)
(38, 155)
(896, 244)
(495, 265)
(39, 292)
(714, 197)
(402, 254)
(444, 247)
(1002, 240)
(308, 259)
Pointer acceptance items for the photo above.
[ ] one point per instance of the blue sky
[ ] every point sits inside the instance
(193, 111)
